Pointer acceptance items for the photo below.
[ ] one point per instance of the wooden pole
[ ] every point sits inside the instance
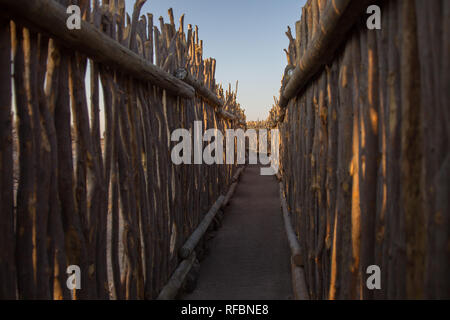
(170, 290)
(238, 174)
(226, 115)
(50, 17)
(298, 282)
(195, 237)
(292, 238)
(229, 194)
(7, 242)
(338, 18)
(205, 93)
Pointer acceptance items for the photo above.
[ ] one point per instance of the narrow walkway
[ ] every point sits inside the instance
(249, 257)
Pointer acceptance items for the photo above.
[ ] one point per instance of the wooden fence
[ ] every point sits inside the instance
(86, 176)
(364, 120)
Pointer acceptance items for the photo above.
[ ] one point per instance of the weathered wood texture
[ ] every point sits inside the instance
(336, 18)
(299, 287)
(191, 243)
(205, 93)
(50, 17)
(297, 258)
(365, 154)
(172, 288)
(88, 180)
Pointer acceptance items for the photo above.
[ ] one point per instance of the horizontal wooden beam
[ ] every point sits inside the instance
(206, 94)
(171, 289)
(50, 17)
(233, 186)
(298, 278)
(183, 75)
(299, 287)
(292, 238)
(195, 237)
(226, 115)
(238, 174)
(229, 194)
(278, 175)
(338, 18)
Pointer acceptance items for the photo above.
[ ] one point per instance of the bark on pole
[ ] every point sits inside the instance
(171, 289)
(193, 240)
(7, 242)
(298, 282)
(205, 93)
(229, 194)
(293, 242)
(89, 201)
(338, 18)
(238, 174)
(26, 193)
(50, 17)
(381, 132)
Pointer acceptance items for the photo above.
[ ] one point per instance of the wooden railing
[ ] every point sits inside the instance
(363, 116)
(86, 176)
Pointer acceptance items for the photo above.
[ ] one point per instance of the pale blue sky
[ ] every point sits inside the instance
(247, 39)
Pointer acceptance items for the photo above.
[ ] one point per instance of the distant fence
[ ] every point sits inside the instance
(110, 201)
(364, 123)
